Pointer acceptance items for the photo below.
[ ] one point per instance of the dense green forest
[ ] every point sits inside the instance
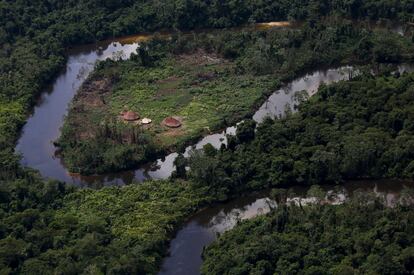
(359, 237)
(50, 227)
(171, 77)
(47, 228)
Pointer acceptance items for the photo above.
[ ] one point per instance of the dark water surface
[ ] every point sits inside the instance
(43, 126)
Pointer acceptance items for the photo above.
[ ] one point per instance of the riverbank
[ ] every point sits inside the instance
(273, 107)
(205, 227)
(213, 85)
(135, 221)
(360, 236)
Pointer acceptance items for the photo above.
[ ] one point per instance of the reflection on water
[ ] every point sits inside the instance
(43, 127)
(225, 221)
(277, 103)
(202, 229)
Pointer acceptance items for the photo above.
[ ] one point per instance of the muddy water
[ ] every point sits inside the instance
(43, 127)
(203, 228)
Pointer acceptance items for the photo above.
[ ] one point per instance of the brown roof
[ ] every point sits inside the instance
(130, 116)
(171, 122)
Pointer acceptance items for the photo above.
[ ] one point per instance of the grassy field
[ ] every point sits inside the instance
(201, 89)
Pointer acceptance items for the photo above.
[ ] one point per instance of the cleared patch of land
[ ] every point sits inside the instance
(202, 90)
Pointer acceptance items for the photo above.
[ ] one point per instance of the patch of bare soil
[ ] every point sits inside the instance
(200, 58)
(89, 99)
(92, 93)
(167, 86)
(202, 77)
(164, 92)
(168, 80)
(173, 132)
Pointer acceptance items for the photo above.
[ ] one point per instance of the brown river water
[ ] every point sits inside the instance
(43, 127)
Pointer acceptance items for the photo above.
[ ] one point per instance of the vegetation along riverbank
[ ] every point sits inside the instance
(207, 81)
(361, 236)
(362, 128)
(48, 228)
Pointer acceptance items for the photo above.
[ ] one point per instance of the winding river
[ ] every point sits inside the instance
(43, 127)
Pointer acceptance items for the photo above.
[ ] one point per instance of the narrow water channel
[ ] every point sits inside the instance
(185, 253)
(43, 127)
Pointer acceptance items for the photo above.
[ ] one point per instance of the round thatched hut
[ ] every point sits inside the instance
(130, 116)
(171, 122)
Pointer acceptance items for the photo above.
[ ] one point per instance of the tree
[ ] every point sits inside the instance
(246, 130)
(180, 164)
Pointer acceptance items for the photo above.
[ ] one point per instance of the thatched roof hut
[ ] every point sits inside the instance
(171, 122)
(130, 116)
